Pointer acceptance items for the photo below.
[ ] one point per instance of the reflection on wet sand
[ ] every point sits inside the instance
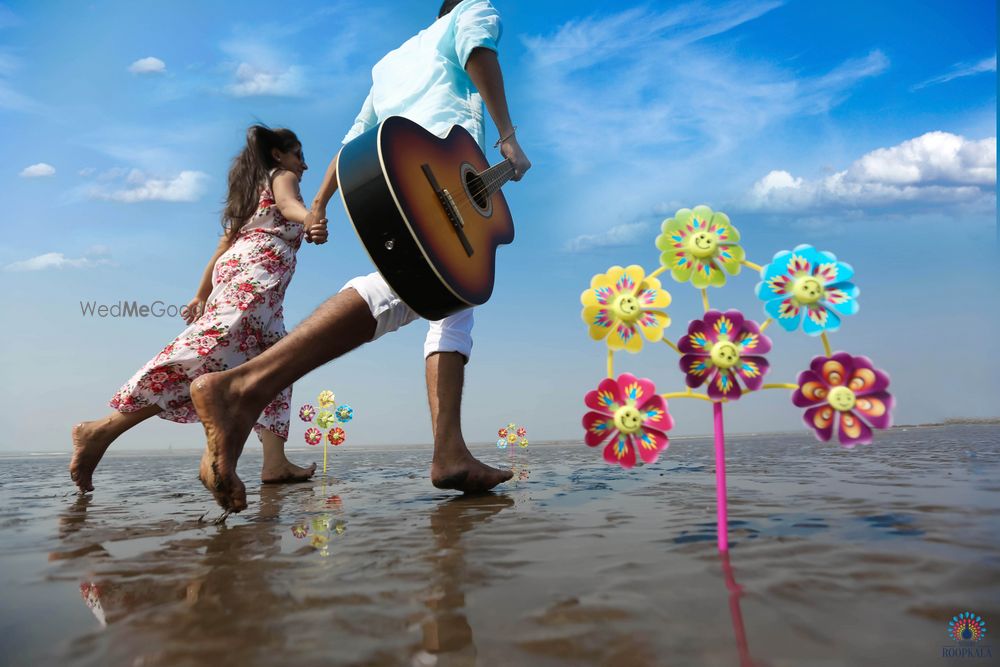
(447, 635)
(582, 565)
(736, 612)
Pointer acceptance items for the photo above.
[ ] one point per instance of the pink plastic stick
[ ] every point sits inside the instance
(721, 511)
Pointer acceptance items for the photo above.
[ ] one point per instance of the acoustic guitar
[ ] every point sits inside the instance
(429, 211)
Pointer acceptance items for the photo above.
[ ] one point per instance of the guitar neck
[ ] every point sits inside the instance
(495, 177)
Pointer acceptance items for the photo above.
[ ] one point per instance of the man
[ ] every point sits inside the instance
(438, 78)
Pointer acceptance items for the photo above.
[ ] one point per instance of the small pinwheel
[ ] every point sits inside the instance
(512, 438)
(521, 432)
(807, 281)
(336, 435)
(344, 413)
(313, 435)
(307, 412)
(633, 414)
(325, 399)
(700, 246)
(524, 442)
(623, 302)
(300, 530)
(325, 419)
(502, 443)
(502, 433)
(844, 391)
(721, 348)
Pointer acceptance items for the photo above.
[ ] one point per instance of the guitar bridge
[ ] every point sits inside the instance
(450, 209)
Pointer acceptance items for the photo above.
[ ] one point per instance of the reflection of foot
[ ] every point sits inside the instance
(89, 445)
(227, 424)
(466, 474)
(285, 473)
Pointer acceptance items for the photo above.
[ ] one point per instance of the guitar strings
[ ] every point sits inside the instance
(465, 202)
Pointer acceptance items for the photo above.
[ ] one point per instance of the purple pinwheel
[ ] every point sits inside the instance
(843, 391)
(721, 348)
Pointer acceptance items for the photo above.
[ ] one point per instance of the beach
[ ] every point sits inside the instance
(838, 557)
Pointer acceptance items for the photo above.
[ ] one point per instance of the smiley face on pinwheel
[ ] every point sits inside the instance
(724, 350)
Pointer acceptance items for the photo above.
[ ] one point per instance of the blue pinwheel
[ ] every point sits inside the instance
(808, 286)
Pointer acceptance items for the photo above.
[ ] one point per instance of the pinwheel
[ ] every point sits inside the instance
(623, 302)
(724, 351)
(336, 435)
(328, 420)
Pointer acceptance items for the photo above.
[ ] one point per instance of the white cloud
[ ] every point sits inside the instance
(961, 70)
(148, 65)
(187, 186)
(620, 235)
(697, 101)
(38, 170)
(252, 81)
(934, 168)
(57, 260)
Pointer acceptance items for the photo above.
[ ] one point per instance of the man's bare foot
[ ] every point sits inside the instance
(89, 444)
(466, 474)
(227, 420)
(286, 473)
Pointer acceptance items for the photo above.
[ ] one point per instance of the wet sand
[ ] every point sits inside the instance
(839, 558)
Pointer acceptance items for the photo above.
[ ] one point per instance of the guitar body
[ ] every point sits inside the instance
(436, 251)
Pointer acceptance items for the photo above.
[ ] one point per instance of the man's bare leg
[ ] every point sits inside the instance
(454, 466)
(229, 402)
(91, 439)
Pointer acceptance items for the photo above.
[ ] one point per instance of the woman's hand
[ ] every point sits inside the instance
(194, 309)
(315, 224)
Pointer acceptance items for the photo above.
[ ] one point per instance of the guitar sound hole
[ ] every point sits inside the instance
(476, 190)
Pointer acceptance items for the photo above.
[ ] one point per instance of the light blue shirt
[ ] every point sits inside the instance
(425, 78)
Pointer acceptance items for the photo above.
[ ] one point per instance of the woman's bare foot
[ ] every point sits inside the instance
(228, 416)
(466, 473)
(90, 442)
(286, 473)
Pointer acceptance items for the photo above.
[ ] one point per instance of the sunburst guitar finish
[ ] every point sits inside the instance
(429, 211)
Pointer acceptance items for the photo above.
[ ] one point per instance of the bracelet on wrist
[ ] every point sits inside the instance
(505, 138)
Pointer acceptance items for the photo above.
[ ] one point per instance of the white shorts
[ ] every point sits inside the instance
(452, 334)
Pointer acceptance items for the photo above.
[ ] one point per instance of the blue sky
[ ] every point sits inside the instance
(868, 130)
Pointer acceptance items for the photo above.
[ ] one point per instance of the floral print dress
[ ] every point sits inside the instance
(242, 318)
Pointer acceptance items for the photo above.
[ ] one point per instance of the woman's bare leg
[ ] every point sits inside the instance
(91, 439)
(277, 468)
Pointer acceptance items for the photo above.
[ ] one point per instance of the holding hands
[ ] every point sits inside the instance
(315, 224)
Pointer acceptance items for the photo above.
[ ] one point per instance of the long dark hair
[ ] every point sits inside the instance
(250, 171)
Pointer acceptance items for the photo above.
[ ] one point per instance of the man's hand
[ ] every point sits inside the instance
(315, 224)
(511, 150)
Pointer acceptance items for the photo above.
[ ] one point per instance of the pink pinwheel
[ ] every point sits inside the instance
(844, 391)
(633, 414)
(721, 348)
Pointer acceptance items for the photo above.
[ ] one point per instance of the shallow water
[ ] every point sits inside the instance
(838, 558)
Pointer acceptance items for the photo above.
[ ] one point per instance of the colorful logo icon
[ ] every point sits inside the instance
(966, 627)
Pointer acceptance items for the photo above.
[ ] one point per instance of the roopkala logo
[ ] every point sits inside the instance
(967, 629)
